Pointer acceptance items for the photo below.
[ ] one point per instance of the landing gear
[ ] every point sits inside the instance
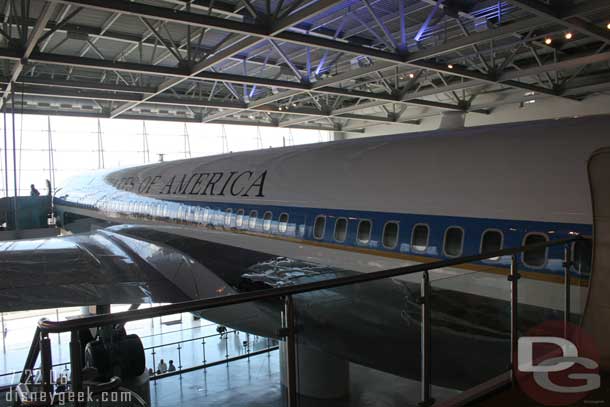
(116, 354)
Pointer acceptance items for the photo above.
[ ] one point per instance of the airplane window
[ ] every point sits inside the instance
(319, 226)
(390, 235)
(283, 226)
(267, 220)
(206, 215)
(340, 229)
(419, 237)
(252, 220)
(491, 241)
(228, 213)
(454, 239)
(537, 257)
(239, 221)
(582, 256)
(364, 231)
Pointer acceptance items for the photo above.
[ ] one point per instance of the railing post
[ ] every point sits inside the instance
(226, 346)
(154, 362)
(426, 331)
(514, 316)
(290, 338)
(179, 358)
(28, 368)
(567, 263)
(203, 348)
(76, 366)
(46, 365)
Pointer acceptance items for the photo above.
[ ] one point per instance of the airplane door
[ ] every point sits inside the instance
(597, 309)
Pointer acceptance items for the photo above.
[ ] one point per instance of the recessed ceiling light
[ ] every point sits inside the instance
(548, 40)
(450, 66)
(411, 75)
(568, 36)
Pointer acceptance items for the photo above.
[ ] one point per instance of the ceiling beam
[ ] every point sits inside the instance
(231, 50)
(554, 15)
(32, 40)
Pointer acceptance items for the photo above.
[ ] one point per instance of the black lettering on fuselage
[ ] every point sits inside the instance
(198, 183)
(153, 182)
(168, 186)
(231, 174)
(258, 182)
(232, 189)
(216, 176)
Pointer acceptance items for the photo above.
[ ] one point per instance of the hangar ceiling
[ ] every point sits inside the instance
(322, 64)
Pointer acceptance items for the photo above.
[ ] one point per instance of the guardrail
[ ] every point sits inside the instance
(288, 331)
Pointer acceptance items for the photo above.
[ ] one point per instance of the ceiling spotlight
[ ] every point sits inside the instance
(568, 36)
(294, 105)
(450, 66)
(411, 75)
(279, 108)
(608, 26)
(548, 40)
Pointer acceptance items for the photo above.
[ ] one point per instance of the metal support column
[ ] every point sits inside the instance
(5, 157)
(426, 331)
(514, 316)
(290, 338)
(76, 366)
(15, 209)
(46, 364)
(567, 264)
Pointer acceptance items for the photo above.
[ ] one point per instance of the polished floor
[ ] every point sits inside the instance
(252, 381)
(181, 338)
(256, 382)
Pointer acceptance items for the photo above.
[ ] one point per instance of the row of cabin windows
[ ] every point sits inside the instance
(252, 218)
(453, 242)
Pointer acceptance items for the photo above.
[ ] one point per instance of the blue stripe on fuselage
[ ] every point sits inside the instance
(301, 224)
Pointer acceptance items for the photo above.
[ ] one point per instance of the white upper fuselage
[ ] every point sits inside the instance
(521, 179)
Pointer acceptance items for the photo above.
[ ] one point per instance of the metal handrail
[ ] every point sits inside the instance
(197, 305)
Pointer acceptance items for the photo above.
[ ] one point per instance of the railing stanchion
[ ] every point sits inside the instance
(226, 345)
(179, 358)
(154, 362)
(426, 331)
(46, 365)
(567, 263)
(290, 338)
(203, 348)
(514, 315)
(76, 366)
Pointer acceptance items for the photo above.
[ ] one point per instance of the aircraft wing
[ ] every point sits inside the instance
(101, 267)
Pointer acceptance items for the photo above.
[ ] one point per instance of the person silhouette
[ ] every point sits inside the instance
(34, 191)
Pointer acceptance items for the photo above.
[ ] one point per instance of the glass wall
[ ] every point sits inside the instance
(78, 144)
